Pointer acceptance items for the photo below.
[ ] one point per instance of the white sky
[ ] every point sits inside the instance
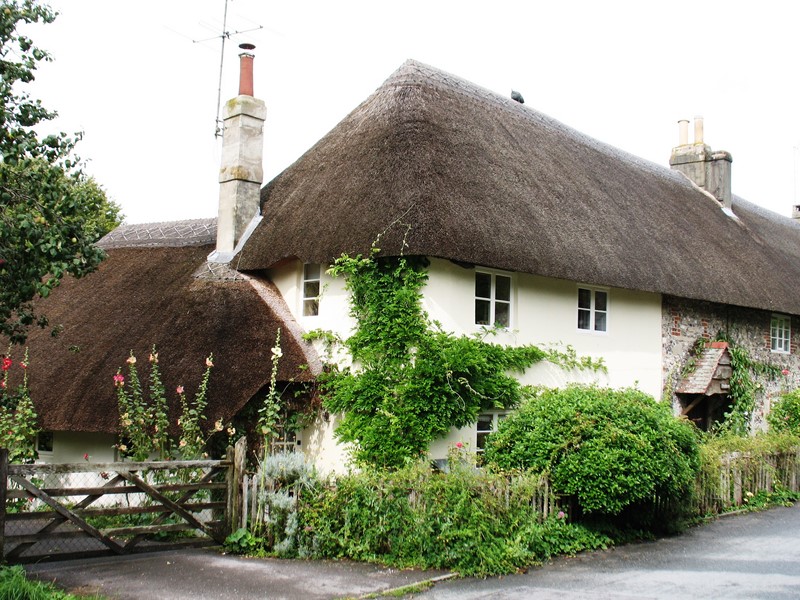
(128, 74)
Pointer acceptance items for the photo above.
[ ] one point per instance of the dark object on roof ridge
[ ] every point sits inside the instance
(458, 172)
(516, 96)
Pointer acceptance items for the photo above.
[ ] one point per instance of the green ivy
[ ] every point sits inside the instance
(410, 381)
(746, 383)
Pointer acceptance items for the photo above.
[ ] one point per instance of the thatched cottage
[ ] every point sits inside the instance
(526, 222)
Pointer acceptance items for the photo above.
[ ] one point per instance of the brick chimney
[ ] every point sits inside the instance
(707, 169)
(241, 171)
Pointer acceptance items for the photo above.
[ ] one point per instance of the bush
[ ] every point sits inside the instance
(618, 453)
(469, 521)
(784, 416)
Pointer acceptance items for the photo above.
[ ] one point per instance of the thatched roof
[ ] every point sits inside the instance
(461, 173)
(155, 287)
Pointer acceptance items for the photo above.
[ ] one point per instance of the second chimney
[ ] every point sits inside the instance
(241, 171)
(707, 169)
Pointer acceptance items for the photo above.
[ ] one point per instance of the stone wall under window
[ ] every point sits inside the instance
(684, 321)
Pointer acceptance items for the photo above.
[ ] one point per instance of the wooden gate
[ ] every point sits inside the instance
(59, 511)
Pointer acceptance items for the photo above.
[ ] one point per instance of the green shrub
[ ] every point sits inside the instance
(784, 416)
(467, 520)
(619, 453)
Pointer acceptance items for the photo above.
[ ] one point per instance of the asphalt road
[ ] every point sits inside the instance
(754, 556)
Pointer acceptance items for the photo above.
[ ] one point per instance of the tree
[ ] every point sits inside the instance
(51, 213)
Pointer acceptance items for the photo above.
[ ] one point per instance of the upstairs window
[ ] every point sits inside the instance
(311, 289)
(780, 334)
(592, 310)
(492, 299)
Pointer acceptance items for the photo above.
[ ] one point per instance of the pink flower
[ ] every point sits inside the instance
(459, 445)
(85, 456)
(7, 362)
(785, 372)
(119, 380)
(179, 389)
(561, 514)
(23, 365)
(3, 383)
(209, 363)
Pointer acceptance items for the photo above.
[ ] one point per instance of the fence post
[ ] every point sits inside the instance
(237, 455)
(3, 488)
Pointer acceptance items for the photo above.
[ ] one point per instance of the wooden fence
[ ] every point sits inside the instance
(740, 476)
(57, 511)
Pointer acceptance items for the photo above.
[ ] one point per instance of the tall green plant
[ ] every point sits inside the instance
(18, 417)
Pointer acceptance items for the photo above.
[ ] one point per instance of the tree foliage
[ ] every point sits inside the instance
(51, 213)
(610, 449)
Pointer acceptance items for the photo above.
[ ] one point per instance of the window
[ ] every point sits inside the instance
(492, 299)
(487, 423)
(44, 441)
(780, 333)
(311, 279)
(592, 310)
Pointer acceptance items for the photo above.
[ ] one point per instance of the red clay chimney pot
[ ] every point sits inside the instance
(246, 70)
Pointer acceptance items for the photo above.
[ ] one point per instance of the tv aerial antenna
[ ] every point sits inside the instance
(225, 35)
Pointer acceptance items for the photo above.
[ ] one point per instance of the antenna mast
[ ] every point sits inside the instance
(225, 35)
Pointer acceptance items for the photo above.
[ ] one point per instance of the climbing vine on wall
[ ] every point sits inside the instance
(746, 382)
(410, 381)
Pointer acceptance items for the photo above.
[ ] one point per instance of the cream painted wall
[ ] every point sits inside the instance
(70, 446)
(544, 312)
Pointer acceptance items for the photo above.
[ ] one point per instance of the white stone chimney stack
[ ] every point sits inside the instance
(707, 169)
(241, 171)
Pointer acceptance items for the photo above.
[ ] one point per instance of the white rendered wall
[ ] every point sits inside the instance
(70, 446)
(544, 312)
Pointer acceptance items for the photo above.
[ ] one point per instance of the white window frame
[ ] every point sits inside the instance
(592, 310)
(492, 298)
(780, 334)
(307, 300)
(497, 416)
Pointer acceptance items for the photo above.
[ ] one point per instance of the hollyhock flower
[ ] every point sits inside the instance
(218, 425)
(182, 444)
(7, 362)
(231, 430)
(119, 380)
(179, 389)
(154, 357)
(85, 456)
(459, 445)
(3, 383)
(23, 365)
(131, 360)
(209, 363)
(277, 352)
(785, 372)
(561, 514)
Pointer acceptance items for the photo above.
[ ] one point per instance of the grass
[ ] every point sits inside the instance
(15, 585)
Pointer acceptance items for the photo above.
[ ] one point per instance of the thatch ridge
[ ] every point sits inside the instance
(437, 166)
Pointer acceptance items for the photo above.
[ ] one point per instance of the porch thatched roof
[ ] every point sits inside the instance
(155, 287)
(434, 165)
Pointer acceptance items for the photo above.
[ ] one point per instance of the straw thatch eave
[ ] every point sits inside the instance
(433, 165)
(142, 296)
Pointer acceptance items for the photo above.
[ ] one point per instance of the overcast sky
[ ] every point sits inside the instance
(129, 75)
